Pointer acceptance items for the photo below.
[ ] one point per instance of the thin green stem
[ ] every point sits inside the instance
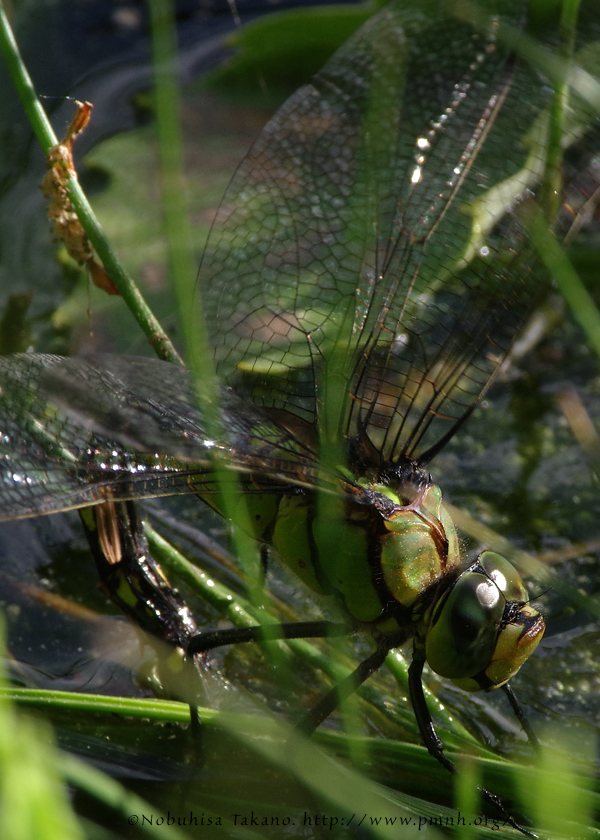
(162, 711)
(552, 188)
(567, 280)
(47, 139)
(178, 231)
(183, 272)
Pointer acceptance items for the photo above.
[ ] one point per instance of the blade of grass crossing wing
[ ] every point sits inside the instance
(183, 269)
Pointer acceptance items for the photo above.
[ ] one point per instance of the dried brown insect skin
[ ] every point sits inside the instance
(65, 222)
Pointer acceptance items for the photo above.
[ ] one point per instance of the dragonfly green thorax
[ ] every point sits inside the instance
(395, 567)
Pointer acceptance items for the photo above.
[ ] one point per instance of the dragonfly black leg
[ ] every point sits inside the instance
(330, 701)
(521, 717)
(434, 744)
(203, 642)
(196, 730)
(430, 737)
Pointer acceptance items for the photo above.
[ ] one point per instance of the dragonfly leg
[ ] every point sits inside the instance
(521, 717)
(330, 701)
(430, 737)
(196, 730)
(435, 746)
(202, 642)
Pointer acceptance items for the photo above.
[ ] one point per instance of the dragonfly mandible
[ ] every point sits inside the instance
(368, 270)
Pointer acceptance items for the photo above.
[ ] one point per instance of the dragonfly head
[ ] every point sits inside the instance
(483, 629)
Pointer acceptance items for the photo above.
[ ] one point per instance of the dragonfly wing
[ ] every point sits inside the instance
(79, 431)
(380, 213)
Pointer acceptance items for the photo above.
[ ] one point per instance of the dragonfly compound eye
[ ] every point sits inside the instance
(483, 631)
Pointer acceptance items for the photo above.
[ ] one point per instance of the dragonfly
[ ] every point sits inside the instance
(368, 270)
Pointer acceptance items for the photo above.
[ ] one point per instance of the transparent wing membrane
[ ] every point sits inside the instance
(76, 432)
(372, 245)
(381, 212)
